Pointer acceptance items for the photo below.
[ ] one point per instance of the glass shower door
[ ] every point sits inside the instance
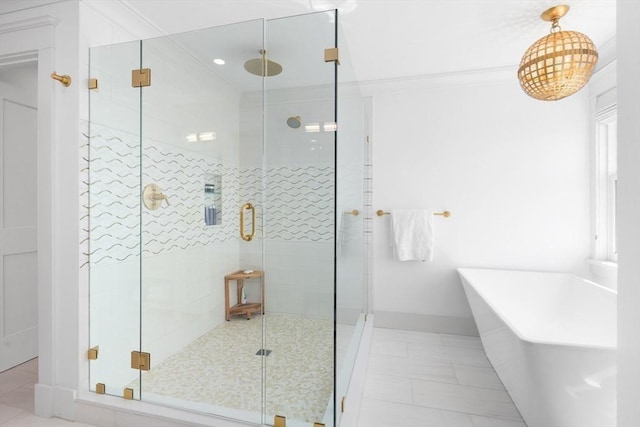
(195, 322)
(299, 219)
(216, 220)
(351, 262)
(114, 220)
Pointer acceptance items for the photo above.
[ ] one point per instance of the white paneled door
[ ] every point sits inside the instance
(18, 232)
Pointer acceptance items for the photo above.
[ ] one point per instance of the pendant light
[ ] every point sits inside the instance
(559, 64)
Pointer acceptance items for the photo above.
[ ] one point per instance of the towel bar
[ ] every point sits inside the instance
(445, 214)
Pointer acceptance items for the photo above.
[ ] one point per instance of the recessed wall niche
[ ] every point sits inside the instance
(212, 199)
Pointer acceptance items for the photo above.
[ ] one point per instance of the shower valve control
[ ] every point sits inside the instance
(152, 197)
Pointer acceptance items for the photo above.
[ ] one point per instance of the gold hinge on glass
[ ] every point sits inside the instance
(279, 421)
(332, 55)
(92, 353)
(141, 77)
(128, 393)
(140, 360)
(318, 425)
(342, 403)
(93, 83)
(100, 388)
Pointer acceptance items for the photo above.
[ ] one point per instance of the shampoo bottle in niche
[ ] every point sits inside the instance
(209, 215)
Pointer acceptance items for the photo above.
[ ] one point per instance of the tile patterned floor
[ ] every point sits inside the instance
(417, 379)
(413, 379)
(221, 368)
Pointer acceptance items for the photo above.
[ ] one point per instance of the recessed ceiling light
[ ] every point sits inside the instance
(330, 126)
(312, 127)
(206, 136)
(219, 61)
(201, 136)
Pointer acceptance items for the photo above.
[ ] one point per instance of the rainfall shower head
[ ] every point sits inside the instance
(294, 122)
(263, 67)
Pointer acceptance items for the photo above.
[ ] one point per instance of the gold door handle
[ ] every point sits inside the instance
(243, 209)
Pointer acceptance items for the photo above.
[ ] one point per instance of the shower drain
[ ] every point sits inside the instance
(263, 352)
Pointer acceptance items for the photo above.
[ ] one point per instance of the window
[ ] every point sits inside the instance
(606, 183)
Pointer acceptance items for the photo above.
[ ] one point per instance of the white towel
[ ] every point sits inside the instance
(412, 234)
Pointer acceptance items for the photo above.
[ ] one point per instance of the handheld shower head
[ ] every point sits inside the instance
(294, 122)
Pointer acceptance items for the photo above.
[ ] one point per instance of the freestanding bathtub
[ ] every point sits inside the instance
(551, 338)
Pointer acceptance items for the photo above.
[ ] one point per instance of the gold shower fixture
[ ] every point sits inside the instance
(65, 80)
(559, 64)
(294, 122)
(263, 67)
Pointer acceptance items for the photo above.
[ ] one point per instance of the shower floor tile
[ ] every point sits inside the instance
(224, 368)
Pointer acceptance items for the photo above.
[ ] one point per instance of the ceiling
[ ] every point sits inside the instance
(395, 39)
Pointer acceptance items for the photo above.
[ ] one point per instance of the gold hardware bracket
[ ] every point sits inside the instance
(140, 360)
(141, 77)
(332, 55)
(318, 425)
(128, 393)
(92, 353)
(555, 12)
(65, 80)
(279, 421)
(445, 214)
(354, 212)
(93, 84)
(342, 403)
(100, 388)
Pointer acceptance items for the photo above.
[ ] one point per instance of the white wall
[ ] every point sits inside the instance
(512, 170)
(628, 49)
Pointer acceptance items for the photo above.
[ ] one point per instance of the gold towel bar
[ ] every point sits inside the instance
(445, 214)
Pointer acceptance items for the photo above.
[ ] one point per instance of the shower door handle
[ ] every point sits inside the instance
(243, 210)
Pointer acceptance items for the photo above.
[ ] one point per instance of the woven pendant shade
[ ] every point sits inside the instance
(558, 65)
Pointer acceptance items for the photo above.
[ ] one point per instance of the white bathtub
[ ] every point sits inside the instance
(552, 340)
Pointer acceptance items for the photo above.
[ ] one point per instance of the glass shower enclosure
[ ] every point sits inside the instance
(226, 220)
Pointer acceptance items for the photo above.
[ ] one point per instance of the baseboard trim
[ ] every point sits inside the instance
(426, 323)
(53, 401)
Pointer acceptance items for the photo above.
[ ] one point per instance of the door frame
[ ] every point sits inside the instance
(21, 238)
(23, 41)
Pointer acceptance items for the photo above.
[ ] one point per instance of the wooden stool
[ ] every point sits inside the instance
(240, 308)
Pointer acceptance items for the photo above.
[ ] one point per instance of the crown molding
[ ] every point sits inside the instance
(121, 14)
(28, 24)
(606, 54)
(457, 78)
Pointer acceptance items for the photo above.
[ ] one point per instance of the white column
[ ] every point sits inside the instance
(628, 53)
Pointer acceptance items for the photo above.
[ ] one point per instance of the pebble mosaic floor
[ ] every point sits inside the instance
(221, 368)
